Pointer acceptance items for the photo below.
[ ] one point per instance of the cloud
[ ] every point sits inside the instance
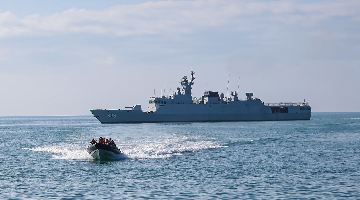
(169, 17)
(106, 61)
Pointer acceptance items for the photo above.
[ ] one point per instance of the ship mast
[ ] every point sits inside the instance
(186, 85)
(192, 78)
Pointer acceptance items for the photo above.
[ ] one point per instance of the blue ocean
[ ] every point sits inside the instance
(46, 158)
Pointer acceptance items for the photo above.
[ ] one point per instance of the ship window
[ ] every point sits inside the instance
(302, 108)
(279, 109)
(164, 102)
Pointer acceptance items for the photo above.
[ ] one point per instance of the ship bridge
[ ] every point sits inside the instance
(181, 96)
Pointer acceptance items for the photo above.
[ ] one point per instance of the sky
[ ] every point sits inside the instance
(66, 57)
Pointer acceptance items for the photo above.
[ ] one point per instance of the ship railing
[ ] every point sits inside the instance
(287, 104)
(163, 97)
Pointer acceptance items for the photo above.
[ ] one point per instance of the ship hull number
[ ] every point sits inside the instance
(111, 115)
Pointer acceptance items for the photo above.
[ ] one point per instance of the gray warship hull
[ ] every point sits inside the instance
(211, 107)
(252, 110)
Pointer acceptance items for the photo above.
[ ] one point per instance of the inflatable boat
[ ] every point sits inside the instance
(104, 151)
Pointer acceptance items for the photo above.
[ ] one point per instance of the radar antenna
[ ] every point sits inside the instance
(227, 88)
(238, 85)
(192, 77)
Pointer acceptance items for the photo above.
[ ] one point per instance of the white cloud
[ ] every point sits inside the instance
(327, 35)
(3, 55)
(166, 17)
(106, 61)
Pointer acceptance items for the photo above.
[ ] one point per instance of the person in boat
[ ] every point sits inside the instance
(93, 141)
(101, 140)
(113, 143)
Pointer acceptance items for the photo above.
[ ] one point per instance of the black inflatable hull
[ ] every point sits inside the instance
(103, 151)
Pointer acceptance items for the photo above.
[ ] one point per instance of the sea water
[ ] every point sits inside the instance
(46, 158)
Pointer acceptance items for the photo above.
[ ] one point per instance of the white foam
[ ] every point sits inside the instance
(166, 148)
(65, 151)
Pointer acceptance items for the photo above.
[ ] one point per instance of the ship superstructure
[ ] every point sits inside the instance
(182, 107)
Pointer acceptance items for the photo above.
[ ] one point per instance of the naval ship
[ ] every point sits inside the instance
(211, 107)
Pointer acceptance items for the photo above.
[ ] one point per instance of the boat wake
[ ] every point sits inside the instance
(166, 148)
(65, 151)
(133, 149)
